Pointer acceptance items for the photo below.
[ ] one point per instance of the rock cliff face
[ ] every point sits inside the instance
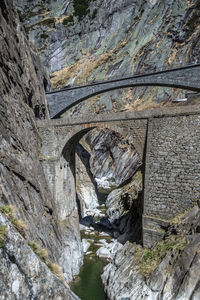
(137, 273)
(113, 159)
(25, 198)
(86, 41)
(91, 40)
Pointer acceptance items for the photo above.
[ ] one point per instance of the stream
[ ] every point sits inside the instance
(88, 285)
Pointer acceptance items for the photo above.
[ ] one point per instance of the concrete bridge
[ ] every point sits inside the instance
(187, 78)
(167, 141)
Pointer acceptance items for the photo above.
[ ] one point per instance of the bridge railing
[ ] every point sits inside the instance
(143, 72)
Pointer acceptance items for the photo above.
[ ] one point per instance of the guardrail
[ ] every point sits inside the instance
(127, 76)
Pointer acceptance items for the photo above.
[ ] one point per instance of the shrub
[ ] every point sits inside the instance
(68, 20)
(20, 225)
(42, 253)
(44, 36)
(7, 210)
(148, 255)
(3, 235)
(81, 8)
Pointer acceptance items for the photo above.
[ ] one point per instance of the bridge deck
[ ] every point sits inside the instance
(187, 77)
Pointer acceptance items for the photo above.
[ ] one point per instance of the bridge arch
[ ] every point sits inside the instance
(186, 78)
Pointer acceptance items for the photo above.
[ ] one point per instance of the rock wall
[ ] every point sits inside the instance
(168, 271)
(23, 184)
(113, 159)
(86, 187)
(172, 171)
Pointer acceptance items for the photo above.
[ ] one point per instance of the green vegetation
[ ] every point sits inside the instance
(81, 8)
(94, 13)
(48, 21)
(3, 235)
(8, 211)
(42, 253)
(147, 260)
(44, 36)
(68, 20)
(195, 20)
(19, 225)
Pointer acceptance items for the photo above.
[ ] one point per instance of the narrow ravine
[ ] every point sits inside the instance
(98, 248)
(88, 285)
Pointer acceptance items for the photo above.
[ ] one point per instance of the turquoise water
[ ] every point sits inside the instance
(88, 285)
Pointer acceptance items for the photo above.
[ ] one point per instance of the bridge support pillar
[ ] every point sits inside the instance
(172, 173)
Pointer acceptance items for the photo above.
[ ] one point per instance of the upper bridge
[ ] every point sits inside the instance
(187, 77)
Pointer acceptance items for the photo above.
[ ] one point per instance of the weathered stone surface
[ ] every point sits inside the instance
(176, 277)
(23, 184)
(24, 275)
(172, 170)
(120, 201)
(113, 159)
(85, 183)
(124, 209)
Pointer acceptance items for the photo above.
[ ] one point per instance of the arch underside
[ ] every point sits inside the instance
(60, 102)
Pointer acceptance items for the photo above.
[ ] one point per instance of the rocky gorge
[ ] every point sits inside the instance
(40, 241)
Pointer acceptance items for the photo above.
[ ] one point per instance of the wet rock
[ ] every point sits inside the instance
(86, 245)
(105, 223)
(87, 221)
(124, 209)
(103, 252)
(120, 201)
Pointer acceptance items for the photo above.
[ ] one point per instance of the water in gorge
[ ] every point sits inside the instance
(88, 285)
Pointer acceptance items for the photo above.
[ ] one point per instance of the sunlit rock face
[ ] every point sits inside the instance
(113, 159)
(85, 184)
(23, 184)
(174, 276)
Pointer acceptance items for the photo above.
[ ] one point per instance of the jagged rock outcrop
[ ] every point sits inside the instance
(85, 184)
(124, 209)
(174, 265)
(23, 184)
(113, 159)
(29, 277)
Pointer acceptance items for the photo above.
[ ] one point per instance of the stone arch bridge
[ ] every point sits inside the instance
(187, 77)
(167, 140)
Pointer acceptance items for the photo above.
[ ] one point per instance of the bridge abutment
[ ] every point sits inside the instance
(172, 173)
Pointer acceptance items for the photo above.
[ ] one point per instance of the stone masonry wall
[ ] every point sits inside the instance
(172, 171)
(172, 158)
